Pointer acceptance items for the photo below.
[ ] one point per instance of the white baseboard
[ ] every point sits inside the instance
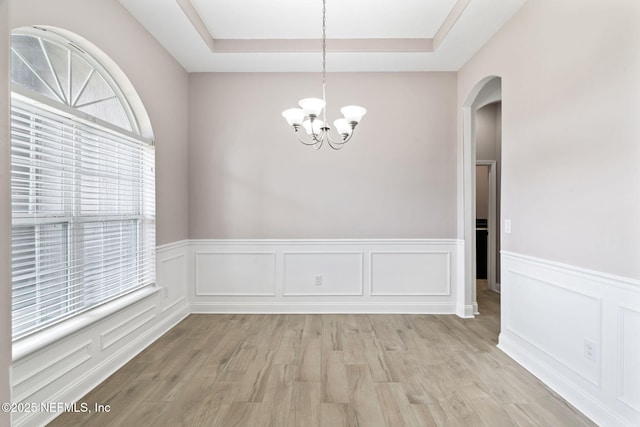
(585, 402)
(467, 311)
(474, 307)
(322, 308)
(550, 311)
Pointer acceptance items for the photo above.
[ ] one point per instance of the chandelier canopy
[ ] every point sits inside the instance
(308, 115)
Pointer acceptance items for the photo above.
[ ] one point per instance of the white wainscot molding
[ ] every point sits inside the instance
(629, 353)
(578, 331)
(172, 275)
(336, 273)
(325, 276)
(411, 273)
(66, 361)
(234, 273)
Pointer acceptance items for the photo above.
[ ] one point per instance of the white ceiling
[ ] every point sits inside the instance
(284, 19)
(283, 35)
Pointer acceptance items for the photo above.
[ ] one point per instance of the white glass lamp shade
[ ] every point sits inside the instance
(312, 106)
(317, 126)
(353, 113)
(294, 116)
(343, 127)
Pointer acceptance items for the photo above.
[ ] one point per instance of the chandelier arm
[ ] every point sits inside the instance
(336, 145)
(312, 142)
(314, 139)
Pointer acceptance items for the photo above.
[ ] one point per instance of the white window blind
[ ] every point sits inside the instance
(83, 214)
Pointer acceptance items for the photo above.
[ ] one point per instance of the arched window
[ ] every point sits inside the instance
(82, 185)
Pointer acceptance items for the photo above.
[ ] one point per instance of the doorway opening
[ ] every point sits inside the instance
(482, 133)
(487, 230)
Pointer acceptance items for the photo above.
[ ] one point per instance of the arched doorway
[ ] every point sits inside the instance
(485, 92)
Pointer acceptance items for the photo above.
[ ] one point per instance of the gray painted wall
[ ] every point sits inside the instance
(250, 178)
(570, 130)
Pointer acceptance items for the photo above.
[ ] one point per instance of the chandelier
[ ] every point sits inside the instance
(307, 116)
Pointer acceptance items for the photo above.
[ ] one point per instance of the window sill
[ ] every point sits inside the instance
(32, 343)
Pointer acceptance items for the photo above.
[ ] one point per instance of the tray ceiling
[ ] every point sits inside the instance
(284, 35)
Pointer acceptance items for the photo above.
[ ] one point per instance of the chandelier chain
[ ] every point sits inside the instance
(324, 41)
(324, 55)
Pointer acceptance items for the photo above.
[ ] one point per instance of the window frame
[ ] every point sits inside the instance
(25, 97)
(62, 41)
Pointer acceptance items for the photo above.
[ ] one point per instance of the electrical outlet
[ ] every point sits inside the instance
(507, 226)
(590, 350)
(165, 292)
(317, 280)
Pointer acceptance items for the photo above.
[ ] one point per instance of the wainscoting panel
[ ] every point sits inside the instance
(337, 273)
(127, 326)
(73, 357)
(325, 276)
(234, 273)
(410, 273)
(171, 277)
(629, 377)
(578, 331)
(561, 332)
(37, 372)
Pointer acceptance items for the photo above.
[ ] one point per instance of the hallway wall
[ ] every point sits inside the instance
(488, 125)
(482, 192)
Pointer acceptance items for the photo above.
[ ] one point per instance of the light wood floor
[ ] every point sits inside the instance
(327, 370)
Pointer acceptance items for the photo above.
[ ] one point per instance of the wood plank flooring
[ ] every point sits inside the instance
(327, 370)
